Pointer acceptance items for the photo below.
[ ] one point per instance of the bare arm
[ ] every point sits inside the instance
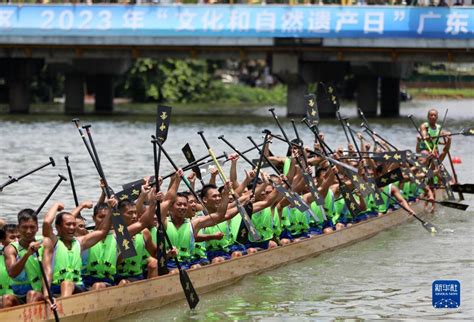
(83, 205)
(49, 219)
(92, 238)
(233, 170)
(15, 267)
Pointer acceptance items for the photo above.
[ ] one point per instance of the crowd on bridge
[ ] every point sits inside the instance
(440, 3)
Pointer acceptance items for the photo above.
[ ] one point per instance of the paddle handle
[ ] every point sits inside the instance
(71, 181)
(48, 289)
(13, 179)
(61, 179)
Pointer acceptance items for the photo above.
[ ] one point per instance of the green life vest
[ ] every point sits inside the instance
(328, 204)
(340, 209)
(433, 144)
(182, 238)
(222, 244)
(5, 279)
(276, 223)
(297, 219)
(286, 166)
(132, 266)
(386, 200)
(263, 222)
(147, 254)
(199, 251)
(370, 203)
(102, 259)
(67, 263)
(235, 224)
(31, 273)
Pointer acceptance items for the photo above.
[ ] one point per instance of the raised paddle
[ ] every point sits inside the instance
(61, 179)
(71, 181)
(188, 287)
(45, 280)
(243, 213)
(189, 155)
(13, 179)
(124, 240)
(163, 120)
(461, 196)
(449, 204)
(259, 164)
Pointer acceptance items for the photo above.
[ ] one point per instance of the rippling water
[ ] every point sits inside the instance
(388, 276)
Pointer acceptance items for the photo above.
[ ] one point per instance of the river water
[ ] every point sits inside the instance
(386, 277)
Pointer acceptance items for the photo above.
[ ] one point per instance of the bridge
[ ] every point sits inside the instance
(303, 44)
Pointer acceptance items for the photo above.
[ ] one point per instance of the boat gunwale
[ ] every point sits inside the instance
(41, 306)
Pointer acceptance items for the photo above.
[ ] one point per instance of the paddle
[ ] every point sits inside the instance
(259, 164)
(464, 132)
(71, 180)
(245, 217)
(61, 179)
(294, 198)
(427, 225)
(449, 204)
(464, 188)
(45, 280)
(13, 179)
(307, 178)
(188, 154)
(461, 196)
(48, 288)
(124, 240)
(163, 120)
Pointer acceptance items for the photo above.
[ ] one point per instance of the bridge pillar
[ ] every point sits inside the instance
(74, 88)
(295, 98)
(367, 94)
(390, 97)
(20, 72)
(104, 93)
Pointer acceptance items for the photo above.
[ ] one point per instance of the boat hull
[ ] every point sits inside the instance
(123, 300)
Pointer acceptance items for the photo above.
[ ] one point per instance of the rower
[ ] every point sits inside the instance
(66, 262)
(183, 231)
(429, 130)
(8, 234)
(22, 263)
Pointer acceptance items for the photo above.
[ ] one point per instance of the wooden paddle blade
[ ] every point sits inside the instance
(464, 188)
(189, 155)
(430, 227)
(188, 288)
(163, 119)
(312, 108)
(454, 205)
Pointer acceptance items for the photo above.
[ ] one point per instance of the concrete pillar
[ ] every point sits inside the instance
(390, 97)
(367, 94)
(295, 103)
(74, 88)
(19, 94)
(104, 93)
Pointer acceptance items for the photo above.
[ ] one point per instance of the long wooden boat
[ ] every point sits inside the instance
(123, 300)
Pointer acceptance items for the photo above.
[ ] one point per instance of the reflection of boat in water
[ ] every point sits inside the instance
(123, 300)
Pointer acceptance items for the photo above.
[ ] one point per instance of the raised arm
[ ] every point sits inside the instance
(233, 170)
(140, 203)
(49, 219)
(83, 205)
(92, 238)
